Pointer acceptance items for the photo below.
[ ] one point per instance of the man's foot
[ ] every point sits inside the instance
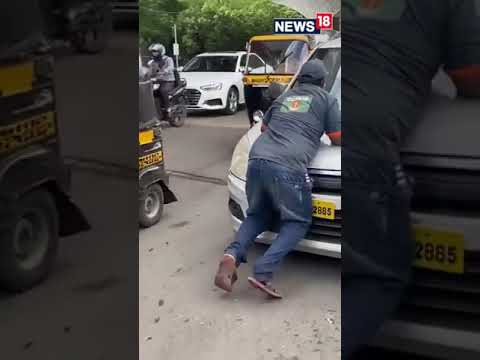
(265, 287)
(227, 273)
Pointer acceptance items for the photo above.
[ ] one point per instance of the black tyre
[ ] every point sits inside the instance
(177, 118)
(29, 246)
(96, 39)
(151, 206)
(232, 102)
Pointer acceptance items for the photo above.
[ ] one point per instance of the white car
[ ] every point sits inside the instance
(325, 234)
(215, 81)
(440, 315)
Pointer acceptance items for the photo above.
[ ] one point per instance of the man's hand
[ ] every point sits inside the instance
(336, 138)
(467, 80)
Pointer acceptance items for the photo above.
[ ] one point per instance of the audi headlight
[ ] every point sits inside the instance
(258, 116)
(239, 163)
(214, 86)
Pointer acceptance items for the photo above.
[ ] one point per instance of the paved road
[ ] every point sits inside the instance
(182, 315)
(98, 103)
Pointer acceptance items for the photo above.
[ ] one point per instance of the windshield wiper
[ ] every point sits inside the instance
(285, 57)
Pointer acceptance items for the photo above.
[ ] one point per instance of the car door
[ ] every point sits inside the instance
(242, 61)
(257, 66)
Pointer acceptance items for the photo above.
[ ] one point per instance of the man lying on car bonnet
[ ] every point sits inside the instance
(278, 184)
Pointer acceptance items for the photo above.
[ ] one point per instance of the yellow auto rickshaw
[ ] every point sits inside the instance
(36, 208)
(154, 190)
(272, 58)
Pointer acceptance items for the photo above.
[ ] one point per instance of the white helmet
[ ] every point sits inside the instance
(157, 48)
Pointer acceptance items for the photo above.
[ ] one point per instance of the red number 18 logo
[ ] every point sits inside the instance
(325, 21)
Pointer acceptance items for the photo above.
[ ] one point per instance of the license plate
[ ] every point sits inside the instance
(145, 137)
(150, 159)
(323, 209)
(439, 250)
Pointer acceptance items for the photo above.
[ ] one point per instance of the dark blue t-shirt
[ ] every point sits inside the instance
(296, 121)
(391, 50)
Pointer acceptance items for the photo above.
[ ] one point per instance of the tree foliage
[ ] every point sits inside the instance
(208, 25)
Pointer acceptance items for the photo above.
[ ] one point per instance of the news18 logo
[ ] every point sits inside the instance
(323, 21)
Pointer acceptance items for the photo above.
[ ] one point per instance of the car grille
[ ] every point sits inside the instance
(192, 96)
(441, 188)
(326, 230)
(436, 297)
(323, 229)
(326, 184)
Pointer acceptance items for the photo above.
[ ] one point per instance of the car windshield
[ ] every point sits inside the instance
(331, 59)
(212, 64)
(276, 57)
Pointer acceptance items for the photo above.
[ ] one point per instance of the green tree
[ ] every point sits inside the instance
(221, 25)
(156, 20)
(208, 25)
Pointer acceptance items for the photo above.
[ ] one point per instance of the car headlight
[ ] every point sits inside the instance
(239, 163)
(258, 116)
(214, 86)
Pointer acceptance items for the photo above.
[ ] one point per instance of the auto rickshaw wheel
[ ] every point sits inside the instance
(29, 246)
(151, 206)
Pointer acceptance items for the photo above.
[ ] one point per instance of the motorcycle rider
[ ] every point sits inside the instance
(162, 69)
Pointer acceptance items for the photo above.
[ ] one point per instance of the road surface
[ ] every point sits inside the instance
(182, 315)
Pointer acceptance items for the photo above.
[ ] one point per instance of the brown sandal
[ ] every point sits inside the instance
(265, 287)
(226, 274)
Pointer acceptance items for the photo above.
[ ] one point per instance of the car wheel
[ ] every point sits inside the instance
(151, 206)
(232, 102)
(28, 247)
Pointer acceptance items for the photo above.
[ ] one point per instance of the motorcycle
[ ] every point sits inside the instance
(177, 112)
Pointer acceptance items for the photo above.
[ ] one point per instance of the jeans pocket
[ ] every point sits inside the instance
(294, 201)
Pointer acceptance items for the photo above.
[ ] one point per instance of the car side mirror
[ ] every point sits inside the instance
(275, 90)
(241, 69)
(180, 68)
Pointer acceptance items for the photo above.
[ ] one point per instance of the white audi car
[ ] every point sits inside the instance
(214, 81)
(440, 315)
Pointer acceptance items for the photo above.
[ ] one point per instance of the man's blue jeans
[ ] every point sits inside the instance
(274, 193)
(377, 246)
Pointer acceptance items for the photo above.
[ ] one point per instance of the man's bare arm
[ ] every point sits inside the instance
(336, 138)
(467, 80)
